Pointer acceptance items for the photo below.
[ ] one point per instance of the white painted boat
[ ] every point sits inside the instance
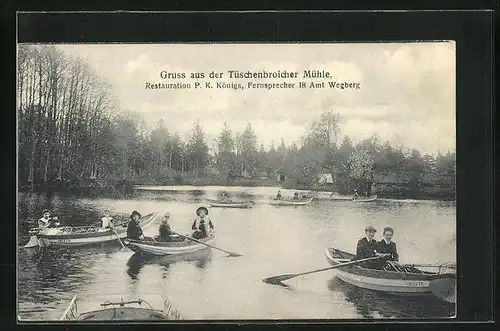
(290, 202)
(369, 199)
(221, 204)
(168, 248)
(85, 235)
(120, 311)
(414, 283)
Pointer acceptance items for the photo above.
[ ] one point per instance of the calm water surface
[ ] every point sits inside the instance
(273, 240)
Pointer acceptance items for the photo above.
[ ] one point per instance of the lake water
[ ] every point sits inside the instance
(273, 241)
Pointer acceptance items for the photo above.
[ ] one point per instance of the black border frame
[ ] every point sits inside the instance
(472, 31)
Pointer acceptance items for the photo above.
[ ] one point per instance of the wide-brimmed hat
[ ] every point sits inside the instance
(391, 230)
(201, 208)
(135, 212)
(370, 228)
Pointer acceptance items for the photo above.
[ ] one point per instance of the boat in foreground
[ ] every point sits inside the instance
(83, 235)
(407, 280)
(291, 202)
(159, 248)
(221, 204)
(368, 199)
(120, 311)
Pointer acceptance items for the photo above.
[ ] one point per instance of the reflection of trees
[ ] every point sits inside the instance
(369, 302)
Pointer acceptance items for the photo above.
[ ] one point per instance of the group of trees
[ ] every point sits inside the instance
(70, 132)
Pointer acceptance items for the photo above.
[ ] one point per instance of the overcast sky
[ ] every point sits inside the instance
(407, 91)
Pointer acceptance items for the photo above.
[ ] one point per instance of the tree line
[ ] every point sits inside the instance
(71, 134)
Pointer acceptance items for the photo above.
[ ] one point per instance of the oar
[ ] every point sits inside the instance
(231, 254)
(276, 280)
(117, 237)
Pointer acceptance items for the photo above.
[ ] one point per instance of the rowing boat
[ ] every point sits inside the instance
(369, 199)
(120, 311)
(405, 281)
(84, 235)
(151, 247)
(221, 204)
(291, 202)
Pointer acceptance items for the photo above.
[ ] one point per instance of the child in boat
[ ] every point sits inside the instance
(44, 221)
(107, 220)
(53, 222)
(202, 225)
(134, 230)
(278, 196)
(165, 232)
(387, 246)
(295, 196)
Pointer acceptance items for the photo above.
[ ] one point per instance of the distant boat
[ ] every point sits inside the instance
(160, 248)
(120, 311)
(412, 281)
(230, 204)
(368, 199)
(275, 202)
(82, 235)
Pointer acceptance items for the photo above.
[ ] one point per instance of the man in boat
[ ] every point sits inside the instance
(107, 220)
(44, 221)
(53, 222)
(134, 230)
(165, 232)
(296, 196)
(278, 196)
(387, 246)
(202, 225)
(367, 247)
(225, 198)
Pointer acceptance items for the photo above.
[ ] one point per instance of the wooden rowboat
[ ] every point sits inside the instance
(158, 248)
(85, 235)
(120, 311)
(291, 202)
(369, 199)
(414, 282)
(221, 204)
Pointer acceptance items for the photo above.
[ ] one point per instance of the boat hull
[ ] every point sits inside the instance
(61, 239)
(396, 283)
(218, 204)
(290, 202)
(168, 248)
(371, 199)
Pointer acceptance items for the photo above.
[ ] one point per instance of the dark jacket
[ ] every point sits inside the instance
(384, 248)
(365, 250)
(134, 230)
(201, 231)
(165, 232)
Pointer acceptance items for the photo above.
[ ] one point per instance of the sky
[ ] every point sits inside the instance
(406, 94)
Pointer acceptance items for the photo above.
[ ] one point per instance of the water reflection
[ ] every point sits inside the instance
(372, 304)
(201, 259)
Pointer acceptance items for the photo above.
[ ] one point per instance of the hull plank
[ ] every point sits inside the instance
(170, 248)
(290, 202)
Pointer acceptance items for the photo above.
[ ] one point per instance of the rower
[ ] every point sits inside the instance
(367, 247)
(53, 222)
(278, 196)
(356, 195)
(165, 232)
(225, 198)
(295, 196)
(134, 230)
(107, 220)
(44, 221)
(202, 225)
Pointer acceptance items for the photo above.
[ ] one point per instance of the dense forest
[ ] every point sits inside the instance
(70, 134)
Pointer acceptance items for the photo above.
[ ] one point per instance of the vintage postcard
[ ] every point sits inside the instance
(236, 181)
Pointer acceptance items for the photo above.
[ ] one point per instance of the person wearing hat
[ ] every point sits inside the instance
(107, 220)
(278, 196)
(43, 222)
(202, 225)
(134, 230)
(296, 196)
(387, 246)
(356, 196)
(367, 247)
(225, 198)
(165, 232)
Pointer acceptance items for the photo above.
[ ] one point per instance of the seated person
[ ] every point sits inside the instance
(107, 220)
(367, 247)
(387, 246)
(43, 222)
(134, 230)
(295, 196)
(165, 232)
(278, 196)
(304, 197)
(202, 225)
(356, 195)
(54, 222)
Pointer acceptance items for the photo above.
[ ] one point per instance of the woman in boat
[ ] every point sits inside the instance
(165, 232)
(278, 196)
(134, 230)
(43, 222)
(367, 247)
(202, 225)
(387, 246)
(295, 196)
(107, 220)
